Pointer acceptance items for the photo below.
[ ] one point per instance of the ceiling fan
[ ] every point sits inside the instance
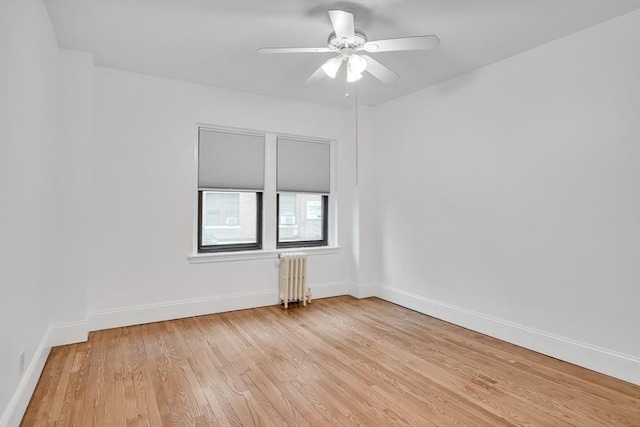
(347, 41)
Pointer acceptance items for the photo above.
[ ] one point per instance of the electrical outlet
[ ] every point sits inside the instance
(21, 362)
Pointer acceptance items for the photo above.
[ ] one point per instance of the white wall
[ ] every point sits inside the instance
(144, 187)
(510, 198)
(73, 187)
(366, 229)
(28, 119)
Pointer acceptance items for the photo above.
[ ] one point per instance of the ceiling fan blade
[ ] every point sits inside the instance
(316, 76)
(294, 49)
(380, 71)
(404, 43)
(342, 22)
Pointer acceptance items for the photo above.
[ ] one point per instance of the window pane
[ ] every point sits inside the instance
(229, 218)
(287, 209)
(301, 217)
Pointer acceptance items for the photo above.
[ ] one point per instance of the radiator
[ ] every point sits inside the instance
(293, 279)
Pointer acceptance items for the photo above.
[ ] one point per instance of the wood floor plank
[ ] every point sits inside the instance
(337, 362)
(42, 394)
(67, 403)
(90, 395)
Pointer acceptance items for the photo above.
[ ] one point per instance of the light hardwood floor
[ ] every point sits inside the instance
(337, 362)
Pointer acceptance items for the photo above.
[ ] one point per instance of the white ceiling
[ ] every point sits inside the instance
(214, 42)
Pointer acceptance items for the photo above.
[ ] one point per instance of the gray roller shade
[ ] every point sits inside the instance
(303, 166)
(230, 160)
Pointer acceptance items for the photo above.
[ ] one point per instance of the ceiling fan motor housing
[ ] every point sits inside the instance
(359, 39)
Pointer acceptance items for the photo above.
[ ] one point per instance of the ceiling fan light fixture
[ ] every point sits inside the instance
(332, 66)
(352, 77)
(355, 67)
(357, 64)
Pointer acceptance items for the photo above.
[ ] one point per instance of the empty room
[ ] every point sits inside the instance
(319, 213)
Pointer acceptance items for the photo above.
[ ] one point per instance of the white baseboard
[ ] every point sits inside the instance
(327, 290)
(127, 316)
(136, 315)
(68, 333)
(363, 290)
(622, 366)
(14, 411)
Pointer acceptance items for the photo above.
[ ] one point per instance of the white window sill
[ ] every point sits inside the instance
(258, 254)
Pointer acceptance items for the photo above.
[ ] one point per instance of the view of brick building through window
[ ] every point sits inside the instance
(230, 217)
(300, 217)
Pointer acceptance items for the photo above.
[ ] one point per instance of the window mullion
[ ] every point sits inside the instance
(269, 197)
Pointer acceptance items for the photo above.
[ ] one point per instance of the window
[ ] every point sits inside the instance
(229, 220)
(302, 220)
(287, 209)
(240, 173)
(302, 198)
(230, 186)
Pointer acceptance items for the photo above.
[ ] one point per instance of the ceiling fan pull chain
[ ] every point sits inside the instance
(357, 136)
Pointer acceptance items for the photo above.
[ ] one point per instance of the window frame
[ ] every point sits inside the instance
(304, 243)
(234, 247)
(269, 216)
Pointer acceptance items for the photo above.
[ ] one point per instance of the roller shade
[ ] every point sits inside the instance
(303, 166)
(230, 160)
